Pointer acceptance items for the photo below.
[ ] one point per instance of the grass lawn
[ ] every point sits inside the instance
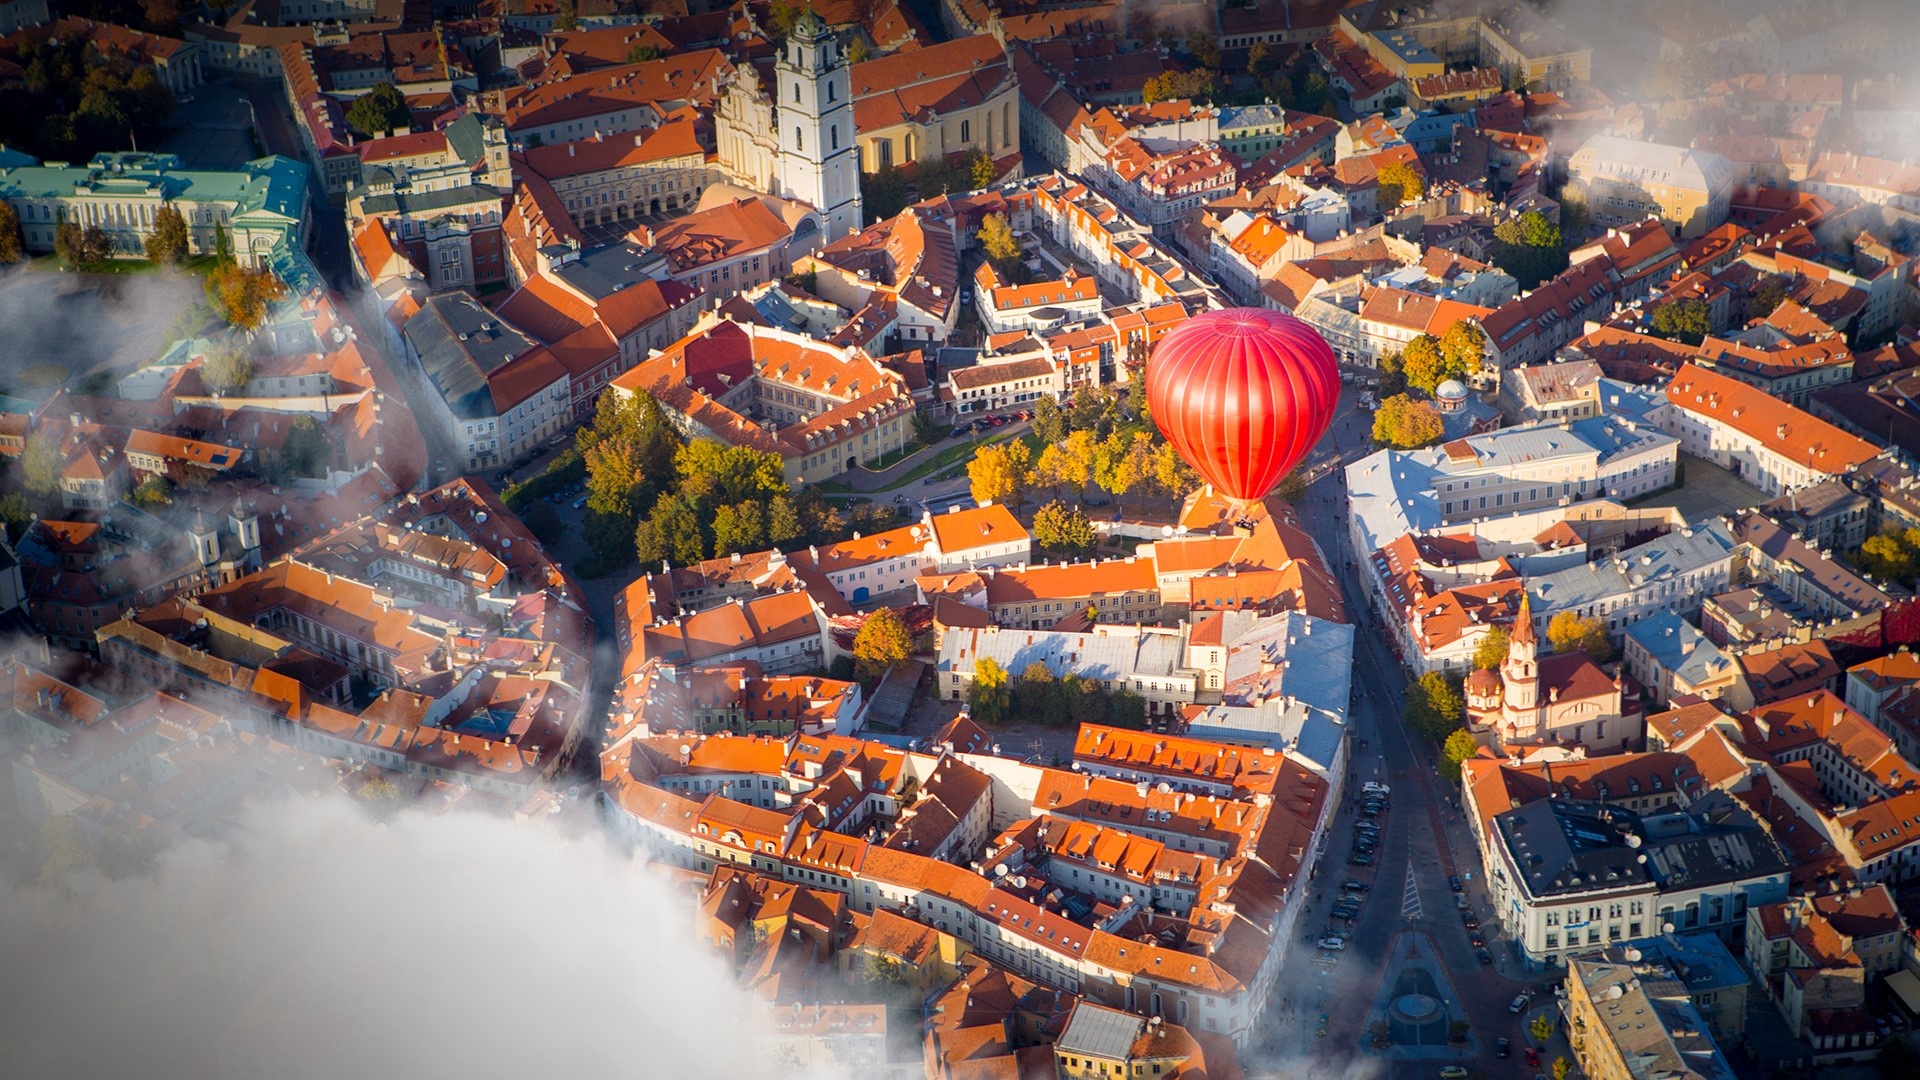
(952, 455)
(197, 266)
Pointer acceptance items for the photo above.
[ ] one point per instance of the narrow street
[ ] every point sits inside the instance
(1424, 839)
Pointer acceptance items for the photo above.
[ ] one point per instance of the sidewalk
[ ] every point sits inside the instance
(867, 481)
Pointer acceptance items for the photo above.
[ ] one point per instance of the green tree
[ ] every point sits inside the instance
(168, 242)
(883, 194)
(40, 463)
(222, 245)
(780, 17)
(1064, 529)
(1399, 183)
(568, 19)
(544, 522)
(1492, 650)
(925, 431)
(1292, 487)
(1000, 473)
(1687, 321)
(153, 491)
(1541, 1029)
(16, 513)
(677, 526)
(1406, 424)
(1765, 299)
(739, 528)
(858, 51)
(882, 642)
(1393, 375)
(379, 110)
(226, 367)
(1038, 696)
(1568, 631)
(1458, 748)
(1434, 708)
(629, 449)
(1426, 364)
(990, 698)
(640, 54)
(783, 521)
(1126, 709)
(1204, 49)
(1530, 248)
(1200, 84)
(999, 244)
(12, 247)
(1049, 422)
(1465, 346)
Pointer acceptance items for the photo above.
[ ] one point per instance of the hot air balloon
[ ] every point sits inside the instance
(1242, 395)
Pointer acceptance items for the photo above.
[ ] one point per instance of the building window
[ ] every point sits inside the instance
(796, 93)
(834, 131)
(966, 130)
(799, 140)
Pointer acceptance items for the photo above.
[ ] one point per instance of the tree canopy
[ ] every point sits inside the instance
(12, 246)
(168, 242)
(882, 642)
(1687, 321)
(243, 294)
(1434, 706)
(76, 100)
(1063, 529)
(1458, 748)
(999, 473)
(1399, 183)
(379, 110)
(998, 242)
(1492, 650)
(1530, 248)
(1405, 423)
(1568, 631)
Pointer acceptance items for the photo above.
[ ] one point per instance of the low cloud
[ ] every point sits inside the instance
(318, 942)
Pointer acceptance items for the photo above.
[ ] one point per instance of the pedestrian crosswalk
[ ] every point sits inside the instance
(1410, 898)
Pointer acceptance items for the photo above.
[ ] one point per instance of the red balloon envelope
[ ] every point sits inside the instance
(1243, 394)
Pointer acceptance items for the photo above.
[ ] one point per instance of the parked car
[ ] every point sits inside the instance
(580, 503)
(1502, 1048)
(1354, 885)
(1453, 882)
(1533, 1057)
(1334, 944)
(1453, 1072)
(1322, 1028)
(1485, 956)
(1357, 859)
(1519, 1003)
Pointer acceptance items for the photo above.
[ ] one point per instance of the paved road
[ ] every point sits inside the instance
(1424, 839)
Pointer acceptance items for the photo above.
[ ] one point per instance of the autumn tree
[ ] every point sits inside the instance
(1176, 85)
(1492, 650)
(1292, 487)
(981, 170)
(1405, 424)
(1070, 463)
(629, 450)
(1064, 529)
(882, 642)
(379, 110)
(226, 367)
(1562, 1068)
(243, 294)
(12, 247)
(1541, 1029)
(858, 51)
(1399, 183)
(999, 244)
(640, 54)
(1687, 321)
(168, 243)
(990, 698)
(1171, 473)
(79, 246)
(784, 526)
(1568, 631)
(1893, 555)
(1049, 421)
(1458, 748)
(1000, 472)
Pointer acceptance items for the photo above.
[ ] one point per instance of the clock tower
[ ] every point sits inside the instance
(814, 110)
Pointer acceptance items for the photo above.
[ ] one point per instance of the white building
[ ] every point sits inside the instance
(819, 164)
(1764, 441)
(1569, 876)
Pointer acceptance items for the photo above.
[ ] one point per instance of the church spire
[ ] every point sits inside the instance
(1523, 623)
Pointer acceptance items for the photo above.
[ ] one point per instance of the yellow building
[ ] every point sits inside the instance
(1625, 181)
(1630, 1018)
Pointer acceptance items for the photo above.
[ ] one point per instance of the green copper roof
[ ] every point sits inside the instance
(275, 184)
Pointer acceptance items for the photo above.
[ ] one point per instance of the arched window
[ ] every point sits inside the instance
(831, 91)
(799, 139)
(796, 93)
(835, 132)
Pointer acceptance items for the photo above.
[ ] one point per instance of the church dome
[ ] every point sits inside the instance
(1483, 683)
(1451, 390)
(809, 26)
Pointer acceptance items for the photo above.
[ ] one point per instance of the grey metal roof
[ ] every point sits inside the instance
(1676, 645)
(460, 343)
(425, 202)
(1660, 559)
(1097, 1031)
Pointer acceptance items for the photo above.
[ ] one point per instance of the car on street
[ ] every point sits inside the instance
(1357, 859)
(1453, 1072)
(1519, 1003)
(1453, 882)
(1533, 1057)
(1322, 1029)
(1477, 941)
(580, 503)
(1347, 913)
(1354, 885)
(958, 433)
(1352, 898)
(1485, 956)
(1334, 944)
(1502, 1048)
(1471, 923)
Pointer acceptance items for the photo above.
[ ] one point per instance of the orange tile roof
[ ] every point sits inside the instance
(1070, 580)
(984, 526)
(1794, 435)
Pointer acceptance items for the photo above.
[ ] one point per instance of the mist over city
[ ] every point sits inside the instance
(968, 539)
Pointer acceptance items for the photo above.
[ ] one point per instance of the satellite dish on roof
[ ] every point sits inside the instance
(1166, 531)
(1163, 787)
(1000, 870)
(1633, 954)
(1666, 928)
(1616, 992)
(1020, 882)
(1633, 841)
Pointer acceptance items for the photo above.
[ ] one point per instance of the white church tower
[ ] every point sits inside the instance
(814, 110)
